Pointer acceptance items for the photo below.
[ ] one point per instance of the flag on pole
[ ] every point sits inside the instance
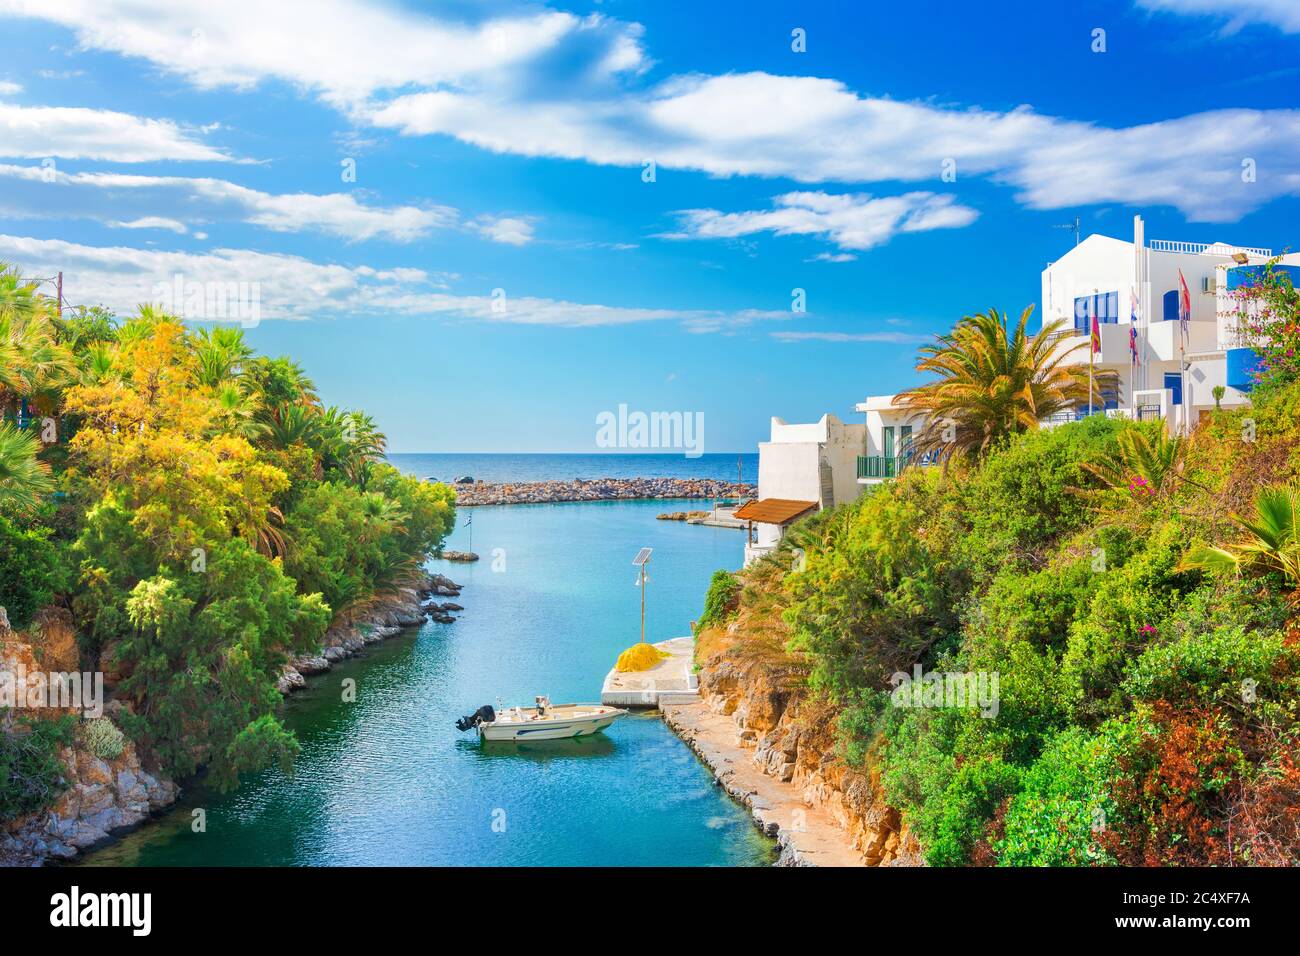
(1133, 344)
(1096, 336)
(1184, 305)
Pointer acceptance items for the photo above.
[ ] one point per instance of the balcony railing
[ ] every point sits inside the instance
(1206, 248)
(1062, 334)
(888, 466)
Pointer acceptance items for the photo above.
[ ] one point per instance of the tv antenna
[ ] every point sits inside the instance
(1070, 225)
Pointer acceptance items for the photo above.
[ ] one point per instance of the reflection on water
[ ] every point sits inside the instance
(593, 745)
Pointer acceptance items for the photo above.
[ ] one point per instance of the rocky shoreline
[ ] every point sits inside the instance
(350, 634)
(771, 748)
(106, 799)
(595, 489)
(806, 835)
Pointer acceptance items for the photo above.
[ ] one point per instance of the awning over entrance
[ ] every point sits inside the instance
(774, 510)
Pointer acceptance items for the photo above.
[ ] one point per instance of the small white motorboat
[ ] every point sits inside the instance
(545, 721)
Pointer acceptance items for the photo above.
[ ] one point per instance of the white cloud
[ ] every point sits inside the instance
(292, 287)
(8, 88)
(152, 222)
(511, 231)
(345, 50)
(554, 84)
(1284, 14)
(336, 214)
(34, 132)
(854, 221)
(894, 338)
(816, 130)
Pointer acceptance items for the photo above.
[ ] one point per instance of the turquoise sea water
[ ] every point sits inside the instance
(389, 780)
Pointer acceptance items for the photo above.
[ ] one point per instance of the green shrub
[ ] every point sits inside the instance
(1127, 613)
(1226, 666)
(1063, 802)
(721, 600)
(885, 595)
(31, 570)
(101, 737)
(1024, 495)
(31, 771)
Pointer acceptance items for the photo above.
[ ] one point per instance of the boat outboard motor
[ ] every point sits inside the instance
(484, 715)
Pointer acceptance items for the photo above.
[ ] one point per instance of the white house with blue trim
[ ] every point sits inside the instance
(1134, 290)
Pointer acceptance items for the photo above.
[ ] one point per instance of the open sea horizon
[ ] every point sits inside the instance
(562, 466)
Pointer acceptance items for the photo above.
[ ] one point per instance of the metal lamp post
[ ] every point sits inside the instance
(639, 562)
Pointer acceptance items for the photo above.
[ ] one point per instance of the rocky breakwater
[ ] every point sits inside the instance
(596, 489)
(789, 737)
(353, 631)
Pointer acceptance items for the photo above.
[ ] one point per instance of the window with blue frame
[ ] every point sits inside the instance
(1174, 382)
(1104, 305)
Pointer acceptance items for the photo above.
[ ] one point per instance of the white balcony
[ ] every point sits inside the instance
(1163, 343)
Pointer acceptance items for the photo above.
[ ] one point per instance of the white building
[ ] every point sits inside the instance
(1136, 287)
(889, 439)
(1133, 288)
(810, 465)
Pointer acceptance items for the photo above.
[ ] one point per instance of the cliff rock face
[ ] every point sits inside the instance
(102, 796)
(792, 739)
(98, 796)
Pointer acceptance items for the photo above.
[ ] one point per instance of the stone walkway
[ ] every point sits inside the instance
(808, 836)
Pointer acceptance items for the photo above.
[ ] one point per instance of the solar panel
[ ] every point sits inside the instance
(642, 557)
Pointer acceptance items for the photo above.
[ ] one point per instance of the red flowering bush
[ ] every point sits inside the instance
(1267, 312)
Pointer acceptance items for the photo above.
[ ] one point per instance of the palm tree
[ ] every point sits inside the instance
(289, 425)
(32, 362)
(1151, 455)
(24, 478)
(266, 533)
(1272, 543)
(993, 384)
(221, 353)
(236, 413)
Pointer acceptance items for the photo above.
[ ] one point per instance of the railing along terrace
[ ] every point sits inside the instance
(1202, 248)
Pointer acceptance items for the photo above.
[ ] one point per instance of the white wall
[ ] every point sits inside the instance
(791, 464)
(789, 470)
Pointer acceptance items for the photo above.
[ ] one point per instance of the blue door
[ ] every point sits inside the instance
(1171, 307)
(1174, 382)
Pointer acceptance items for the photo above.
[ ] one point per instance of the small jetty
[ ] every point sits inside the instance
(671, 681)
(719, 516)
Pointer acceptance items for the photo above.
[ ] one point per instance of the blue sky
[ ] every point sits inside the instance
(501, 146)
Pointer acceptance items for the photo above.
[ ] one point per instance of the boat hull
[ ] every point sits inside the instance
(560, 727)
